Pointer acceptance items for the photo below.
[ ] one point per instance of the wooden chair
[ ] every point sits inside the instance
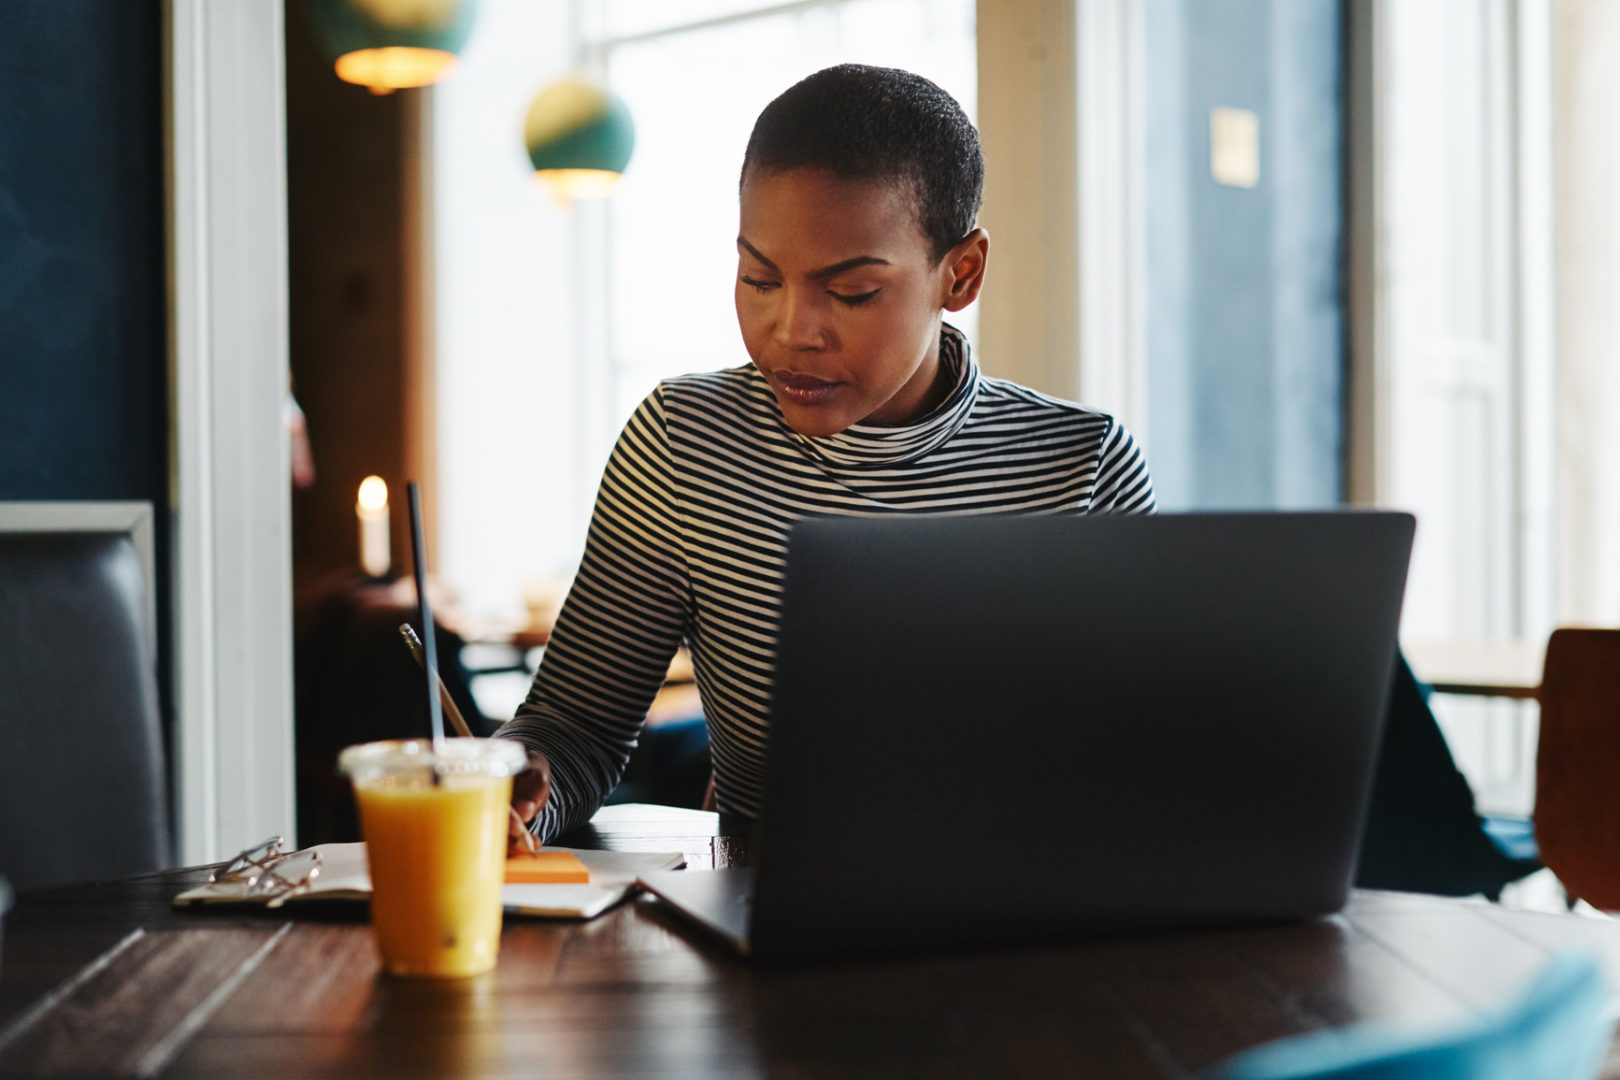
(1577, 811)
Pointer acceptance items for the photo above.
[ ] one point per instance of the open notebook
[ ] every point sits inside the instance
(343, 875)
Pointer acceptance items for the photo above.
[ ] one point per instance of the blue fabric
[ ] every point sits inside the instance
(1556, 1030)
(1513, 837)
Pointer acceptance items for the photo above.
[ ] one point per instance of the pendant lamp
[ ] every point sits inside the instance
(388, 45)
(579, 136)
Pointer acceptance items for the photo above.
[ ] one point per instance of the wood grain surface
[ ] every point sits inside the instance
(634, 993)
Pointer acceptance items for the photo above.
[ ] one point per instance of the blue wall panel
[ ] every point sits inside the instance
(83, 308)
(83, 367)
(1245, 339)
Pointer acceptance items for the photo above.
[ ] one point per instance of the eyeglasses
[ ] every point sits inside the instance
(251, 862)
(265, 871)
(289, 877)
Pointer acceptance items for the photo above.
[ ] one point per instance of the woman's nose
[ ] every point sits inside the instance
(800, 322)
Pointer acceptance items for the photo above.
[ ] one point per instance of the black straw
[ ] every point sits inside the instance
(430, 663)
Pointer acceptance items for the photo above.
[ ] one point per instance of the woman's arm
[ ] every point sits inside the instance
(1123, 483)
(622, 622)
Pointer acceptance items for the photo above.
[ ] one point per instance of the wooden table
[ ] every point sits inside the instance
(1510, 669)
(108, 980)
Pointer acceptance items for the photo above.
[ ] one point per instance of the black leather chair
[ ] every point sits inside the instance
(354, 683)
(82, 778)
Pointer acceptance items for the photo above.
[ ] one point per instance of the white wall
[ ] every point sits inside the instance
(513, 484)
(1586, 90)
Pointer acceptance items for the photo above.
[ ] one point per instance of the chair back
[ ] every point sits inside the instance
(1577, 815)
(82, 779)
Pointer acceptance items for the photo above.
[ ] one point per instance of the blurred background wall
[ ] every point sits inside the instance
(1245, 330)
(84, 372)
(1313, 251)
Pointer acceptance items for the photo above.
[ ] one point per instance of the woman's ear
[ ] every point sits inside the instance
(963, 267)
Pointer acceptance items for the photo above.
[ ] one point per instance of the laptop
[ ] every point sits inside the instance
(1003, 730)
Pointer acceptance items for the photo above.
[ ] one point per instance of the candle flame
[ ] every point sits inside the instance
(373, 493)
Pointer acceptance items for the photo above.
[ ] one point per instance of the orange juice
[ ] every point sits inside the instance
(436, 843)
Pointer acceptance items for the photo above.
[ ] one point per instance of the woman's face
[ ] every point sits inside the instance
(840, 301)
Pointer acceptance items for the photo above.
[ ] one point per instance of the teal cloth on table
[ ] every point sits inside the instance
(1557, 1029)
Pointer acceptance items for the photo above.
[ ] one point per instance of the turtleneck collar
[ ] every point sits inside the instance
(869, 446)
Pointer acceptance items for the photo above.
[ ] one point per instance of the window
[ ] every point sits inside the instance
(1496, 249)
(694, 89)
(551, 323)
(1460, 368)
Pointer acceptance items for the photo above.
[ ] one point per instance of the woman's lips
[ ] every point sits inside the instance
(804, 389)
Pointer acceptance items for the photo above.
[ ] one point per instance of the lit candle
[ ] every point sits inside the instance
(372, 509)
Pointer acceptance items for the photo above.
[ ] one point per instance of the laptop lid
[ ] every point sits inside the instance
(1029, 728)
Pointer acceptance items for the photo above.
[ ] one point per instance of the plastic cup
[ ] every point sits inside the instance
(435, 829)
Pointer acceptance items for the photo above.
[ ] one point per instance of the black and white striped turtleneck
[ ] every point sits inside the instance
(690, 532)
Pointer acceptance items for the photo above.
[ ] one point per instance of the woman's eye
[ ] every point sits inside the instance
(856, 300)
(758, 286)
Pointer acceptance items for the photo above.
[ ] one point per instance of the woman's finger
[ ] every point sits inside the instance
(518, 834)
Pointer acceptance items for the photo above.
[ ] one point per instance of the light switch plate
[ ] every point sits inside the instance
(1234, 147)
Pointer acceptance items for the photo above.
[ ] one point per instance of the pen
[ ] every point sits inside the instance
(459, 722)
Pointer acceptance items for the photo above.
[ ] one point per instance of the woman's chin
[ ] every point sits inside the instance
(815, 423)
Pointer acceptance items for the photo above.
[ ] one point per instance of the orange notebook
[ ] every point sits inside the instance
(547, 868)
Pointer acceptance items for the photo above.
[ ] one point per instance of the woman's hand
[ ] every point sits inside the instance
(530, 789)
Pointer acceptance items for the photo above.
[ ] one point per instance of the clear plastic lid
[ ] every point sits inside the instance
(416, 757)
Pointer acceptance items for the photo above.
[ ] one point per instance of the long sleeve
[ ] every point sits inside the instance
(621, 623)
(1123, 483)
(690, 535)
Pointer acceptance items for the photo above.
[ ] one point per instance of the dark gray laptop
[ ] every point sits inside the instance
(1031, 729)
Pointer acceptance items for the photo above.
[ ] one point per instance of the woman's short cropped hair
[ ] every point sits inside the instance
(875, 123)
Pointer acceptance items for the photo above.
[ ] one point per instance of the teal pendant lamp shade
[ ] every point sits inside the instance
(579, 138)
(392, 44)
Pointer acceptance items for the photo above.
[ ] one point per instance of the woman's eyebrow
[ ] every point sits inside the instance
(755, 252)
(826, 271)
